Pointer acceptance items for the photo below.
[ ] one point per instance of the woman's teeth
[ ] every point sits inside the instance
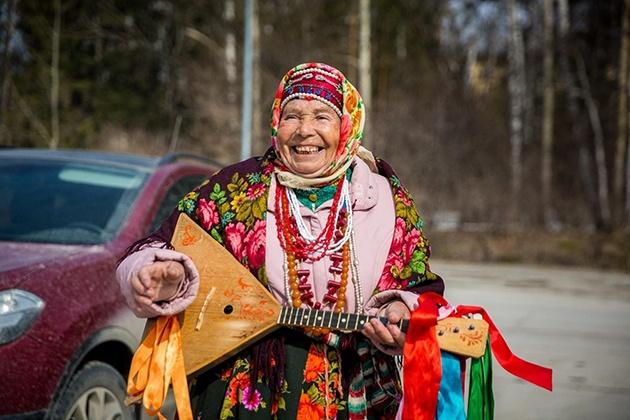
(306, 149)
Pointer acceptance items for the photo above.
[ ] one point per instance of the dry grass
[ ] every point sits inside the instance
(609, 251)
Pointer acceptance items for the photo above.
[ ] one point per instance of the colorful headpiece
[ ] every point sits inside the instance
(327, 84)
(314, 83)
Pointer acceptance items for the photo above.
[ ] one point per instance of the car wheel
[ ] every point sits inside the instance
(97, 392)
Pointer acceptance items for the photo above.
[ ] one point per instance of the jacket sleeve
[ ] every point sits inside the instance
(129, 267)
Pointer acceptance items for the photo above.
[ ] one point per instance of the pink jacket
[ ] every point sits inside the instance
(374, 216)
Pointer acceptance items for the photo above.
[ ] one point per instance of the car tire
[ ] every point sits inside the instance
(96, 392)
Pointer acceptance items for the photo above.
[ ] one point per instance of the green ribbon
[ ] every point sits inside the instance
(480, 397)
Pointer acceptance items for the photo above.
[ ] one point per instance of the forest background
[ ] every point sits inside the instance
(508, 120)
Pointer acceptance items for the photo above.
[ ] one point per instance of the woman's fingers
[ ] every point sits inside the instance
(396, 312)
(158, 281)
(142, 300)
(397, 335)
(142, 283)
(382, 333)
(388, 338)
(172, 276)
(173, 272)
(382, 337)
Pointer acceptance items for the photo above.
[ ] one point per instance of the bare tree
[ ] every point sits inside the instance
(54, 78)
(37, 124)
(5, 68)
(230, 50)
(627, 210)
(622, 114)
(307, 25)
(365, 60)
(598, 134)
(517, 89)
(548, 114)
(257, 117)
(573, 96)
(353, 42)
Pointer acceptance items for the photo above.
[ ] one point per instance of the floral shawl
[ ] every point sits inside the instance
(231, 205)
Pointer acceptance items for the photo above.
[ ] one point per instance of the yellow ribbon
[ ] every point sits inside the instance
(158, 361)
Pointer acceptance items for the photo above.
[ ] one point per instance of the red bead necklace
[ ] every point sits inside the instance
(297, 249)
(289, 235)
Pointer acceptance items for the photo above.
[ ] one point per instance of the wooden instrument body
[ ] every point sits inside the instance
(233, 309)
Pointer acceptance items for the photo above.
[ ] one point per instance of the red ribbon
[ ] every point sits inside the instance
(423, 365)
(530, 372)
(422, 372)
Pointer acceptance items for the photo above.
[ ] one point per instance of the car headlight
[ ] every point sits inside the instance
(18, 311)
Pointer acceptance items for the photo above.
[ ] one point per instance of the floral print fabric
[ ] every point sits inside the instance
(231, 206)
(407, 264)
(322, 396)
(241, 391)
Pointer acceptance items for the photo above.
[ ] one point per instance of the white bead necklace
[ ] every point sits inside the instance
(344, 201)
(354, 276)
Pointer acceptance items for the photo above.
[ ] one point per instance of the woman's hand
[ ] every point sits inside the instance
(157, 281)
(388, 338)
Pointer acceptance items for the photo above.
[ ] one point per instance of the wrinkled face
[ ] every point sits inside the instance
(308, 136)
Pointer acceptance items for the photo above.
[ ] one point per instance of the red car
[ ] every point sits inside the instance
(66, 336)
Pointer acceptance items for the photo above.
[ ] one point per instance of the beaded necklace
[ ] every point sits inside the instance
(300, 290)
(343, 205)
(289, 234)
(299, 244)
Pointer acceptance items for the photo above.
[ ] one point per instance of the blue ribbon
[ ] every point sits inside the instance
(450, 397)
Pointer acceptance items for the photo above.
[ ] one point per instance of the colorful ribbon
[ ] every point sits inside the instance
(423, 367)
(158, 361)
(530, 372)
(450, 397)
(480, 396)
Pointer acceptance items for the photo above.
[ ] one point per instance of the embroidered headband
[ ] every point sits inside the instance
(327, 84)
(314, 83)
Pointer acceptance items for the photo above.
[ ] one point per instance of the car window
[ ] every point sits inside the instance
(172, 197)
(64, 202)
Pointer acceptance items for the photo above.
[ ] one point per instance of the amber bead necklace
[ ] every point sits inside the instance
(291, 236)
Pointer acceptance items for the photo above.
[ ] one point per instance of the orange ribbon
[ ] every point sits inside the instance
(158, 361)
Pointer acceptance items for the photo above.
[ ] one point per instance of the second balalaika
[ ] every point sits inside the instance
(232, 309)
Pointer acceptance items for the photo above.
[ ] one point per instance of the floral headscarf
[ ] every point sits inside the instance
(351, 131)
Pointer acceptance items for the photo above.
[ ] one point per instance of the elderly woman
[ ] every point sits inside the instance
(322, 224)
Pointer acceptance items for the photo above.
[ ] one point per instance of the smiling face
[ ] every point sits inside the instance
(308, 136)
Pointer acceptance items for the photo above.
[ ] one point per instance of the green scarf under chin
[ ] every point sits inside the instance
(312, 198)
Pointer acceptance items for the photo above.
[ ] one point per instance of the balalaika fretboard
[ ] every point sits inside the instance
(308, 317)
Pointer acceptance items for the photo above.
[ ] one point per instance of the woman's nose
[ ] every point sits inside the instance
(306, 127)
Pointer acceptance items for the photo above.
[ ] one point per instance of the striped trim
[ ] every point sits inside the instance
(312, 96)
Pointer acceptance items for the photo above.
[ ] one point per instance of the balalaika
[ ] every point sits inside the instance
(233, 309)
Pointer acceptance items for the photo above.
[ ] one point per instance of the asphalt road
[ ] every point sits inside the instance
(575, 321)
